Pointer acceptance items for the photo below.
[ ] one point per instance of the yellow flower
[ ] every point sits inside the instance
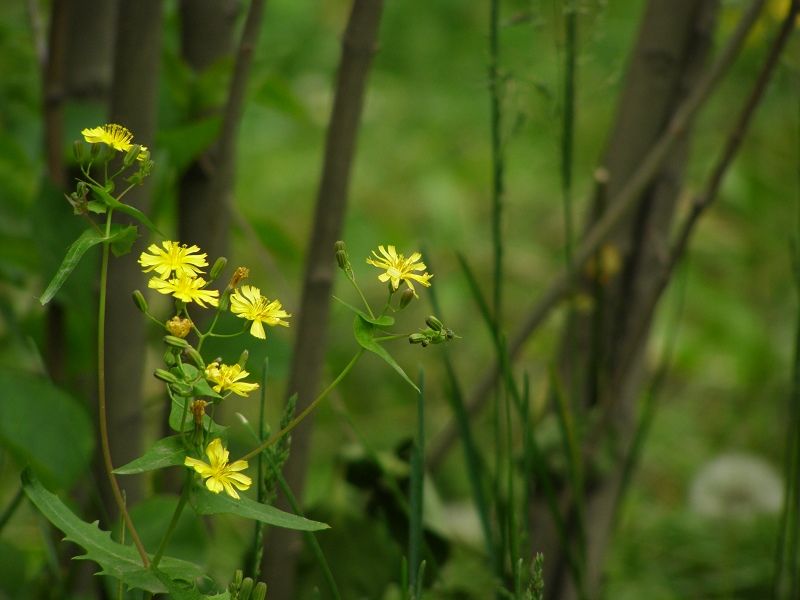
(219, 475)
(116, 136)
(248, 303)
(186, 288)
(399, 268)
(227, 378)
(180, 258)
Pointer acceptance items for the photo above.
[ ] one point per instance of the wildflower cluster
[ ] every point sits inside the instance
(194, 385)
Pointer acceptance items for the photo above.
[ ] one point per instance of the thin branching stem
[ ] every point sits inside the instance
(101, 381)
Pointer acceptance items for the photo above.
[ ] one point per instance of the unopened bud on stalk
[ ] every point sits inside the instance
(243, 358)
(434, 323)
(405, 298)
(176, 342)
(341, 255)
(94, 151)
(195, 357)
(78, 151)
(217, 269)
(260, 592)
(139, 301)
(246, 589)
(418, 338)
(131, 156)
(166, 376)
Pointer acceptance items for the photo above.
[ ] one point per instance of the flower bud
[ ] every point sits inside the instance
(131, 156)
(405, 298)
(243, 358)
(179, 327)
(78, 151)
(170, 358)
(139, 301)
(195, 357)
(217, 269)
(341, 255)
(94, 151)
(434, 323)
(418, 338)
(260, 592)
(165, 376)
(237, 578)
(176, 342)
(246, 589)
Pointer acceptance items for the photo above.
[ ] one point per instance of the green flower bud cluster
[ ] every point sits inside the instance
(243, 588)
(436, 333)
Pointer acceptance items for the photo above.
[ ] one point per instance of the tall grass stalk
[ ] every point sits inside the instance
(416, 490)
(476, 466)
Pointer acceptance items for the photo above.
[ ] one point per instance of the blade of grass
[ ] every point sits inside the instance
(472, 456)
(416, 489)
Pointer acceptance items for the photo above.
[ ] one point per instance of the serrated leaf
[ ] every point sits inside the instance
(206, 502)
(166, 452)
(89, 238)
(129, 210)
(115, 560)
(384, 321)
(364, 331)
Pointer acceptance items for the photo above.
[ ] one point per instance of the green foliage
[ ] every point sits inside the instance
(30, 403)
(116, 560)
(209, 503)
(364, 332)
(121, 239)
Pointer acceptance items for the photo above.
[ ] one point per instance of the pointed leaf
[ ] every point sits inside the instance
(206, 502)
(384, 321)
(115, 560)
(167, 452)
(119, 238)
(103, 195)
(363, 331)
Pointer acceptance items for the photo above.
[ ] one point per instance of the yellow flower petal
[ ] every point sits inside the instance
(248, 303)
(219, 475)
(398, 268)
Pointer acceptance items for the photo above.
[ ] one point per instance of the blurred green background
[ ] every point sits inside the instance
(421, 182)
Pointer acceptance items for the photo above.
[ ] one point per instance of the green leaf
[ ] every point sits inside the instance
(166, 452)
(104, 196)
(176, 414)
(115, 560)
(177, 592)
(121, 239)
(206, 502)
(45, 427)
(364, 330)
(384, 321)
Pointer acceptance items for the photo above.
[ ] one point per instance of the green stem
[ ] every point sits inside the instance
(11, 508)
(387, 338)
(101, 398)
(173, 522)
(306, 412)
(360, 293)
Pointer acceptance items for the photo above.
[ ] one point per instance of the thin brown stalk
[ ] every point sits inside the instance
(359, 44)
